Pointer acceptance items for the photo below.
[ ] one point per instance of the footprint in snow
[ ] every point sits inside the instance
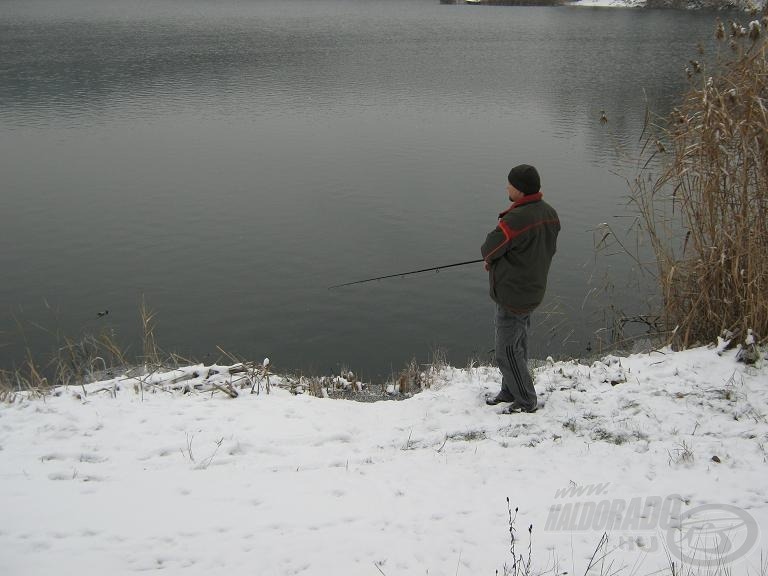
(60, 476)
(92, 458)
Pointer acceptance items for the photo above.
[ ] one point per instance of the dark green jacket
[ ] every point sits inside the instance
(519, 251)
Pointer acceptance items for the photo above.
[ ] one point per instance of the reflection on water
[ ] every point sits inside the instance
(229, 160)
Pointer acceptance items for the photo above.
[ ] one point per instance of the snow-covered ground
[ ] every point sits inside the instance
(608, 3)
(116, 481)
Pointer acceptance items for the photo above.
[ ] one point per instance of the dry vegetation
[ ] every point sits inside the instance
(706, 214)
(95, 357)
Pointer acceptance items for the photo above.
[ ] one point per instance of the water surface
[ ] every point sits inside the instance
(230, 160)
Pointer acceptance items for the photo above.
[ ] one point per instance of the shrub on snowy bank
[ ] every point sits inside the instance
(706, 214)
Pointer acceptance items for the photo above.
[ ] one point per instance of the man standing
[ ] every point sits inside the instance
(517, 255)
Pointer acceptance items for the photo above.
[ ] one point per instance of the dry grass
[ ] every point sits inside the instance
(87, 358)
(409, 380)
(706, 214)
(249, 373)
(73, 362)
(149, 343)
(414, 378)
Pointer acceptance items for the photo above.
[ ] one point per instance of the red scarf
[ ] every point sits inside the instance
(524, 200)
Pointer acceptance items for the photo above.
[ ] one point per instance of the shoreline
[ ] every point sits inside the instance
(245, 377)
(346, 383)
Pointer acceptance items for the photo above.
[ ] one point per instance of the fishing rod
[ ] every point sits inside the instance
(406, 273)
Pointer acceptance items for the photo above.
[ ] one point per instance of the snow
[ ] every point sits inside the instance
(124, 476)
(608, 3)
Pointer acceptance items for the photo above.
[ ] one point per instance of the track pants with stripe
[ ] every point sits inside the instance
(512, 357)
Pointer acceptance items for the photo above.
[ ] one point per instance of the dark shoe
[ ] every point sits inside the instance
(498, 399)
(517, 409)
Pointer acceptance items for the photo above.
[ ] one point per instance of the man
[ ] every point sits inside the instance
(517, 255)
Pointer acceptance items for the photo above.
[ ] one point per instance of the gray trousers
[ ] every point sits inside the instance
(512, 357)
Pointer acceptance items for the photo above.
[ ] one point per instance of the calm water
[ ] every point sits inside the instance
(230, 159)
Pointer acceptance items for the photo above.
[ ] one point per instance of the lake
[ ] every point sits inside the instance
(229, 160)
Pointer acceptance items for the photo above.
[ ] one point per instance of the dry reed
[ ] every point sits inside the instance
(707, 212)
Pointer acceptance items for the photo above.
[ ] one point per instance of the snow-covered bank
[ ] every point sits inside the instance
(690, 5)
(608, 3)
(113, 483)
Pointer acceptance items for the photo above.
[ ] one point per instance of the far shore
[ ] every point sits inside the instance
(653, 4)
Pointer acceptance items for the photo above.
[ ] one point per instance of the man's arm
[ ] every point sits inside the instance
(496, 243)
